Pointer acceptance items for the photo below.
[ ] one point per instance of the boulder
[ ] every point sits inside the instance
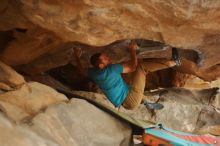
(28, 100)
(75, 123)
(80, 123)
(13, 134)
(13, 112)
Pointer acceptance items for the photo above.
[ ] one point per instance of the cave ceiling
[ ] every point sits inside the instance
(36, 35)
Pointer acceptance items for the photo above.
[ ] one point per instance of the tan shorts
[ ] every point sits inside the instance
(138, 80)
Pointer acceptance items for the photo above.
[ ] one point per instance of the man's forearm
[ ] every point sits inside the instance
(81, 69)
(131, 65)
(133, 62)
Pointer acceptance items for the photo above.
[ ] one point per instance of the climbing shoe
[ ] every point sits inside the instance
(176, 57)
(153, 106)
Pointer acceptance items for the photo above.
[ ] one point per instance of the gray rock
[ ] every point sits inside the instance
(187, 110)
(79, 123)
(15, 135)
(28, 100)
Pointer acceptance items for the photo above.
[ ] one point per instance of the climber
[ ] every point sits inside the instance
(108, 76)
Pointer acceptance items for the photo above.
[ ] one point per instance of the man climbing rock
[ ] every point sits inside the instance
(108, 76)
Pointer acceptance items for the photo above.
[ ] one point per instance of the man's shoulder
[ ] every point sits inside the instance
(90, 72)
(116, 68)
(90, 69)
(115, 65)
(94, 72)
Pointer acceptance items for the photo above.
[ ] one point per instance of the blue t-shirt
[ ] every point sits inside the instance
(110, 82)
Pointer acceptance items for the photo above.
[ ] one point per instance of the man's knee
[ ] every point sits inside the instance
(141, 66)
(130, 107)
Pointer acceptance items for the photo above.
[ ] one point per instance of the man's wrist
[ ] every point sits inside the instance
(133, 50)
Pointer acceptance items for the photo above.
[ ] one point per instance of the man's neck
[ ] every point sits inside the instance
(101, 68)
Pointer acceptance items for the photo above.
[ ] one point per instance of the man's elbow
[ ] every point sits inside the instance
(82, 73)
(133, 68)
(129, 68)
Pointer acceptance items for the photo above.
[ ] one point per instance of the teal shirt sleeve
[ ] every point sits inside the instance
(118, 68)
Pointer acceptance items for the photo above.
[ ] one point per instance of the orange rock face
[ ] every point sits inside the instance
(29, 46)
(50, 24)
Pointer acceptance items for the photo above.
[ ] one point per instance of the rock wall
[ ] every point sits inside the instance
(9, 78)
(45, 26)
(29, 45)
(102, 22)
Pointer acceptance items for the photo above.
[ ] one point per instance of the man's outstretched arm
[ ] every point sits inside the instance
(82, 70)
(131, 65)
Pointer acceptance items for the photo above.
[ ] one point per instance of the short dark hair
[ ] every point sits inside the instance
(94, 60)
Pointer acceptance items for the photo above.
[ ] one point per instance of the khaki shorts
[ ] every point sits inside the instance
(138, 80)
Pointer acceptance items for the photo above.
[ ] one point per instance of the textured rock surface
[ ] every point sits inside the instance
(12, 135)
(80, 123)
(28, 100)
(9, 9)
(46, 80)
(189, 108)
(9, 78)
(51, 23)
(74, 124)
(29, 46)
(102, 22)
(184, 109)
